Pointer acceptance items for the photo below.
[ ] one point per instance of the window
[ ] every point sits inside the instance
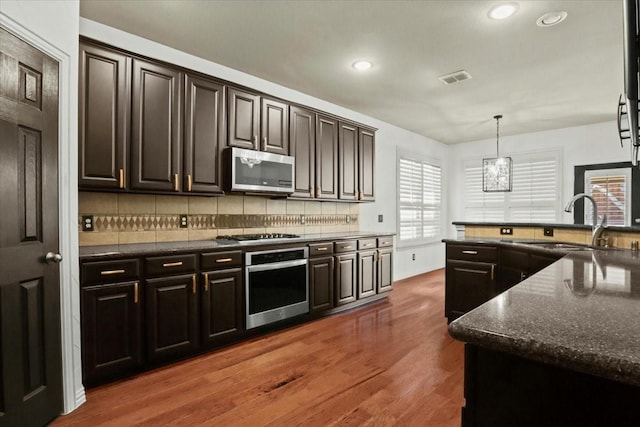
(615, 188)
(419, 200)
(535, 191)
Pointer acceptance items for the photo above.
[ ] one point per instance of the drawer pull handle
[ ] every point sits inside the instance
(135, 293)
(172, 264)
(121, 180)
(493, 270)
(193, 283)
(206, 282)
(189, 182)
(385, 243)
(366, 245)
(322, 249)
(470, 252)
(347, 247)
(224, 260)
(109, 272)
(175, 182)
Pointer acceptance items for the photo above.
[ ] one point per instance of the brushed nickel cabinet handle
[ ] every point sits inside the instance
(322, 249)
(172, 264)
(255, 142)
(175, 182)
(121, 178)
(470, 252)
(189, 182)
(206, 282)
(193, 283)
(366, 245)
(347, 247)
(109, 272)
(224, 260)
(493, 269)
(135, 293)
(264, 144)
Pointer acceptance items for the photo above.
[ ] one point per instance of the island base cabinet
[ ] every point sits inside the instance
(468, 285)
(221, 306)
(111, 330)
(502, 389)
(171, 316)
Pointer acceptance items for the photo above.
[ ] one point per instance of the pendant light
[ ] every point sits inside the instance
(497, 171)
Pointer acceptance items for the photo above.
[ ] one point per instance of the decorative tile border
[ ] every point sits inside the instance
(148, 222)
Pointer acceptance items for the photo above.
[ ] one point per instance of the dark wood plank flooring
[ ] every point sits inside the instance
(392, 363)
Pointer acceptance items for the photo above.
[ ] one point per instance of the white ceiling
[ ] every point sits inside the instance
(538, 78)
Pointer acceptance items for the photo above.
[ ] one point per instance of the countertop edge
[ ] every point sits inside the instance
(632, 228)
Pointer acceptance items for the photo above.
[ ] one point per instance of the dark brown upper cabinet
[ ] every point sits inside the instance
(203, 135)
(257, 123)
(326, 158)
(302, 133)
(244, 114)
(274, 126)
(348, 158)
(103, 117)
(156, 127)
(366, 156)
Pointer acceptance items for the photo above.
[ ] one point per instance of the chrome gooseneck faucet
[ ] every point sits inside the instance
(596, 229)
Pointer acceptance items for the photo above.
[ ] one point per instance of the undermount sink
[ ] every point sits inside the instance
(563, 246)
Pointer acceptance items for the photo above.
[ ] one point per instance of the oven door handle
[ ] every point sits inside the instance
(276, 265)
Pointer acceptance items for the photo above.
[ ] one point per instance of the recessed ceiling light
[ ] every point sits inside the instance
(551, 18)
(362, 65)
(503, 10)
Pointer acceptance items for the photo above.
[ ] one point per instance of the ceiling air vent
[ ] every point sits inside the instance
(455, 77)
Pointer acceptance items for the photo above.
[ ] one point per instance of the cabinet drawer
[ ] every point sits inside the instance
(109, 271)
(221, 260)
(473, 253)
(367, 244)
(384, 242)
(171, 264)
(319, 249)
(344, 246)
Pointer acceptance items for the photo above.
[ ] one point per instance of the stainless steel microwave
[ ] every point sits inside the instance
(257, 171)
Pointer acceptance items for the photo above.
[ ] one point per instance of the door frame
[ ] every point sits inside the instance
(72, 388)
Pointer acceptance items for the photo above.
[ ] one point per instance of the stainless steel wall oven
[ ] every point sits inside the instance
(276, 284)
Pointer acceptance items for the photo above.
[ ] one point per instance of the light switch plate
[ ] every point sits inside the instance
(380, 218)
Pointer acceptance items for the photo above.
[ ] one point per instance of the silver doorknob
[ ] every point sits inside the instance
(52, 258)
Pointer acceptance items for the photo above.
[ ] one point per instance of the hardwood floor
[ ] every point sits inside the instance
(392, 363)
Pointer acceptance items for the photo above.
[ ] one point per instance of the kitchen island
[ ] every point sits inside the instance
(560, 348)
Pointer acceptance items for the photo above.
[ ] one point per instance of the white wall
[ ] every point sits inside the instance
(388, 139)
(52, 26)
(580, 145)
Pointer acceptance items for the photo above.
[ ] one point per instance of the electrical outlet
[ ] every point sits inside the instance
(184, 221)
(380, 218)
(506, 231)
(413, 257)
(302, 220)
(87, 223)
(548, 232)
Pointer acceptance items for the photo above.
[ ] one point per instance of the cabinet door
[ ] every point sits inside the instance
(367, 273)
(385, 270)
(243, 111)
(111, 330)
(171, 316)
(103, 117)
(348, 160)
(156, 136)
(326, 158)
(274, 126)
(468, 284)
(346, 278)
(320, 284)
(302, 131)
(366, 157)
(514, 267)
(221, 304)
(203, 134)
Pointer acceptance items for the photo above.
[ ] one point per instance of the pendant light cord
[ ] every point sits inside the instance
(498, 117)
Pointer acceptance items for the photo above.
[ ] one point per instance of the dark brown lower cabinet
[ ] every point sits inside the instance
(321, 284)
(346, 278)
(221, 306)
(468, 285)
(111, 330)
(385, 270)
(367, 274)
(171, 305)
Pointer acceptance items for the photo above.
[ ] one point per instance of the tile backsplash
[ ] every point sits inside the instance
(141, 218)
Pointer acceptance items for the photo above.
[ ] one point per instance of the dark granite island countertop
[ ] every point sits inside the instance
(581, 313)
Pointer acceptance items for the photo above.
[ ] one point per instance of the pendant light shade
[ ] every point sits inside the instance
(497, 171)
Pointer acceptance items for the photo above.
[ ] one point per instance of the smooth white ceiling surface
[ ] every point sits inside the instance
(538, 78)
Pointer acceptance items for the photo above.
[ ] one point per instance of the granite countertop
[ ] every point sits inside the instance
(634, 228)
(581, 312)
(141, 249)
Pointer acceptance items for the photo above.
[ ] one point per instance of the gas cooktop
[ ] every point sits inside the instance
(254, 237)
